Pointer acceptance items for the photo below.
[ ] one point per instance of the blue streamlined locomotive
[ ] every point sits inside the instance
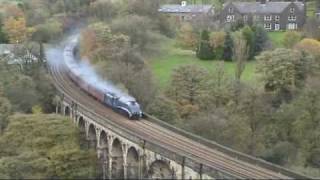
(105, 92)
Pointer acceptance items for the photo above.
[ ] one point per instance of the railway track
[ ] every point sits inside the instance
(163, 137)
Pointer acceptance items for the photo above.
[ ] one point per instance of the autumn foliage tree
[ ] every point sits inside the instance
(88, 42)
(95, 40)
(254, 111)
(310, 46)
(217, 42)
(186, 37)
(103, 10)
(283, 70)
(16, 29)
(141, 31)
(188, 87)
(291, 38)
(44, 147)
(164, 109)
(13, 11)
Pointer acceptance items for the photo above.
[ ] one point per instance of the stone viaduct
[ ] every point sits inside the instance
(123, 156)
(136, 154)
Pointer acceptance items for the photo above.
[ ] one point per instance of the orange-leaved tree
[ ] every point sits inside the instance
(16, 29)
(310, 46)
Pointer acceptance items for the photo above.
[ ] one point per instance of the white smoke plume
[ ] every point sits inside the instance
(62, 58)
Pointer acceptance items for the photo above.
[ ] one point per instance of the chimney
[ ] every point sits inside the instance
(183, 3)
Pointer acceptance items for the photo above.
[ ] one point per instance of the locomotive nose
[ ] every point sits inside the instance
(137, 115)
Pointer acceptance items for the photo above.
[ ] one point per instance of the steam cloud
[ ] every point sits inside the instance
(56, 56)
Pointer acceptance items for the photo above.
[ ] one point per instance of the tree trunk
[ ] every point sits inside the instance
(41, 57)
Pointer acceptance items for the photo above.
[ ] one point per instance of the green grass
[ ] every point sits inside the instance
(164, 65)
(276, 38)
(311, 8)
(11, 1)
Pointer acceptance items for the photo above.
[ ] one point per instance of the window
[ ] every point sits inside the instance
(292, 18)
(231, 10)
(230, 18)
(292, 10)
(277, 18)
(267, 18)
(292, 26)
(245, 18)
(267, 26)
(133, 103)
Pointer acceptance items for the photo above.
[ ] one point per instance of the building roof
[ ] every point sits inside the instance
(268, 7)
(6, 48)
(177, 8)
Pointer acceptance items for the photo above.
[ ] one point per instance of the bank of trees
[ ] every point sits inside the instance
(266, 119)
(44, 147)
(119, 47)
(26, 84)
(219, 44)
(36, 145)
(257, 119)
(276, 119)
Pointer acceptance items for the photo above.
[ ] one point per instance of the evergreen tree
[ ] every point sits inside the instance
(249, 36)
(228, 48)
(237, 25)
(5, 110)
(261, 39)
(205, 49)
(3, 35)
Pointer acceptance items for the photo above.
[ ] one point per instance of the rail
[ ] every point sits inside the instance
(104, 121)
(232, 153)
(226, 150)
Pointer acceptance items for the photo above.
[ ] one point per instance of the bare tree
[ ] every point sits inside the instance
(240, 56)
(311, 28)
(5, 110)
(219, 84)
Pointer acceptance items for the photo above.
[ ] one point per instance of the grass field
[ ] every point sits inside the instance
(276, 38)
(164, 65)
(311, 8)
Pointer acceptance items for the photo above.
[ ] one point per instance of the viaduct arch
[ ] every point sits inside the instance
(122, 155)
(117, 157)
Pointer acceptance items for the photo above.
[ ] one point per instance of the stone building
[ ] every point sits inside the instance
(186, 13)
(272, 15)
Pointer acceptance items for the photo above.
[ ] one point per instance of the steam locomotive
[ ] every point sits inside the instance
(101, 90)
